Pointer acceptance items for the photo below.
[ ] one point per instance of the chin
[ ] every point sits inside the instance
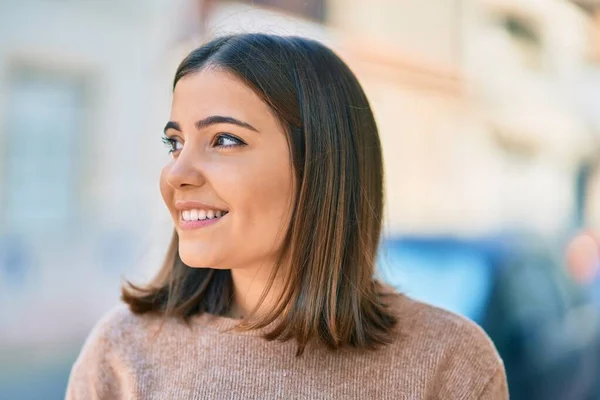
(194, 257)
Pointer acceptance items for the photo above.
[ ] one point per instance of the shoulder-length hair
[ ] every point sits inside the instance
(330, 295)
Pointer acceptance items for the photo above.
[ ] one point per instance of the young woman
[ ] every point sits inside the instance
(275, 187)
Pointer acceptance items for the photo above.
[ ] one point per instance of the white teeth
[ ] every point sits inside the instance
(200, 215)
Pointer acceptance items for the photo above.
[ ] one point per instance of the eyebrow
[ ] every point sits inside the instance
(212, 120)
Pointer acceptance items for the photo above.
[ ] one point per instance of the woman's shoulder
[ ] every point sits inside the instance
(119, 324)
(425, 320)
(120, 331)
(421, 320)
(95, 370)
(457, 348)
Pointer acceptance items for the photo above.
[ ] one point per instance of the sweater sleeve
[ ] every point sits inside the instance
(496, 388)
(94, 374)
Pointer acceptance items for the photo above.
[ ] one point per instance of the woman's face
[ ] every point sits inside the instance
(229, 183)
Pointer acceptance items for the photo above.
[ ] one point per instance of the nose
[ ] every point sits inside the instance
(185, 172)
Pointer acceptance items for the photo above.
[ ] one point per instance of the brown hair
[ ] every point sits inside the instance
(330, 294)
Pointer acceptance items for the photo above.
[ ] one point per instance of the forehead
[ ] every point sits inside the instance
(216, 92)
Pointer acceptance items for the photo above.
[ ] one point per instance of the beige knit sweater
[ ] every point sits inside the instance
(437, 355)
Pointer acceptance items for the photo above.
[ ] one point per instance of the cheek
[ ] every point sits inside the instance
(260, 194)
(267, 200)
(255, 192)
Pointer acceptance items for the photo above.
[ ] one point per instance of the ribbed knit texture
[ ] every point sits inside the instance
(436, 355)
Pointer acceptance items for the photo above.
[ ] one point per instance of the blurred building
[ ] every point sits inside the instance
(83, 95)
(508, 141)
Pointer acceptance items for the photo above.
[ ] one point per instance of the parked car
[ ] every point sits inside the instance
(544, 325)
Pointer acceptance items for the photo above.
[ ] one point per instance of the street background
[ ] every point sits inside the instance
(489, 115)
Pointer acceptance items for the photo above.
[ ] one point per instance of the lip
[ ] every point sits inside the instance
(191, 225)
(182, 205)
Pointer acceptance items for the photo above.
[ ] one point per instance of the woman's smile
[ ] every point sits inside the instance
(195, 219)
(196, 215)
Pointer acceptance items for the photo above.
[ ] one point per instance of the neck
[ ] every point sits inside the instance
(248, 287)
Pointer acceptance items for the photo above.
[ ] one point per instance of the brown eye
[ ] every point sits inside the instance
(227, 140)
(172, 144)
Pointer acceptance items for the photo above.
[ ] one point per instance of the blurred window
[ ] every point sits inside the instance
(41, 133)
(526, 38)
(314, 9)
(521, 29)
(14, 262)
